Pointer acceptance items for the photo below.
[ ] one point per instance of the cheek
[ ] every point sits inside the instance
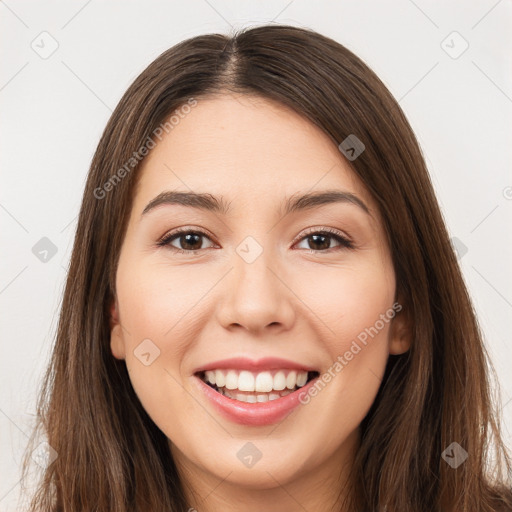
(156, 312)
(349, 301)
(159, 303)
(356, 304)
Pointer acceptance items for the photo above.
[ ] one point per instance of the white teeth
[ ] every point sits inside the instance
(232, 379)
(257, 382)
(253, 398)
(291, 379)
(264, 382)
(246, 381)
(302, 378)
(279, 381)
(220, 378)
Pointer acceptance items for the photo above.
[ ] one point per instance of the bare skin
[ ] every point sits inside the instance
(298, 300)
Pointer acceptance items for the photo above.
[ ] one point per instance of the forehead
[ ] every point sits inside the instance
(246, 149)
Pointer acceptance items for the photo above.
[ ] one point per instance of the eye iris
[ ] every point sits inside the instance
(326, 241)
(189, 239)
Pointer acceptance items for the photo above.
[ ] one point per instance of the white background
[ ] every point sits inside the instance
(53, 111)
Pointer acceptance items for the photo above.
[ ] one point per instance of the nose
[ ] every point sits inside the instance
(256, 296)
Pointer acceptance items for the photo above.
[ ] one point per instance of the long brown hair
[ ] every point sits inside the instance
(112, 457)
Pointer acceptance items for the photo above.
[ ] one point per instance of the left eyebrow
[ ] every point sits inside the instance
(316, 199)
(294, 203)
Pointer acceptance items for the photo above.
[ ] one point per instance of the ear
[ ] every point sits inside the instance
(400, 337)
(117, 345)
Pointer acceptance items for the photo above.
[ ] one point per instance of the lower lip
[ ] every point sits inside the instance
(254, 414)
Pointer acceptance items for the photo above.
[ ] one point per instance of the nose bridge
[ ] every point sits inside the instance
(255, 296)
(252, 270)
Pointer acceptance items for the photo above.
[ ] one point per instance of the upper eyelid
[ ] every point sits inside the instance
(178, 231)
(330, 231)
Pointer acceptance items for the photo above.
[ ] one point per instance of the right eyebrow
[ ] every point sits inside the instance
(192, 199)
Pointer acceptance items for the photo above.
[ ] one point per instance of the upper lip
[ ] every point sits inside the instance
(264, 363)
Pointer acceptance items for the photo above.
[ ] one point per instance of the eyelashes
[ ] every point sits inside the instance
(188, 236)
(182, 234)
(326, 233)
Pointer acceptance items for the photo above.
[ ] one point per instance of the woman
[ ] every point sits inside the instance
(263, 309)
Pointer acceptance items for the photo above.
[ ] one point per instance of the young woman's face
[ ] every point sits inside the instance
(261, 289)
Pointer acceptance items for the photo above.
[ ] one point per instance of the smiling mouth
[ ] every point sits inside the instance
(256, 387)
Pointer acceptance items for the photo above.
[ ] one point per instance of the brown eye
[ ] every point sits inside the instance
(322, 241)
(184, 240)
(319, 242)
